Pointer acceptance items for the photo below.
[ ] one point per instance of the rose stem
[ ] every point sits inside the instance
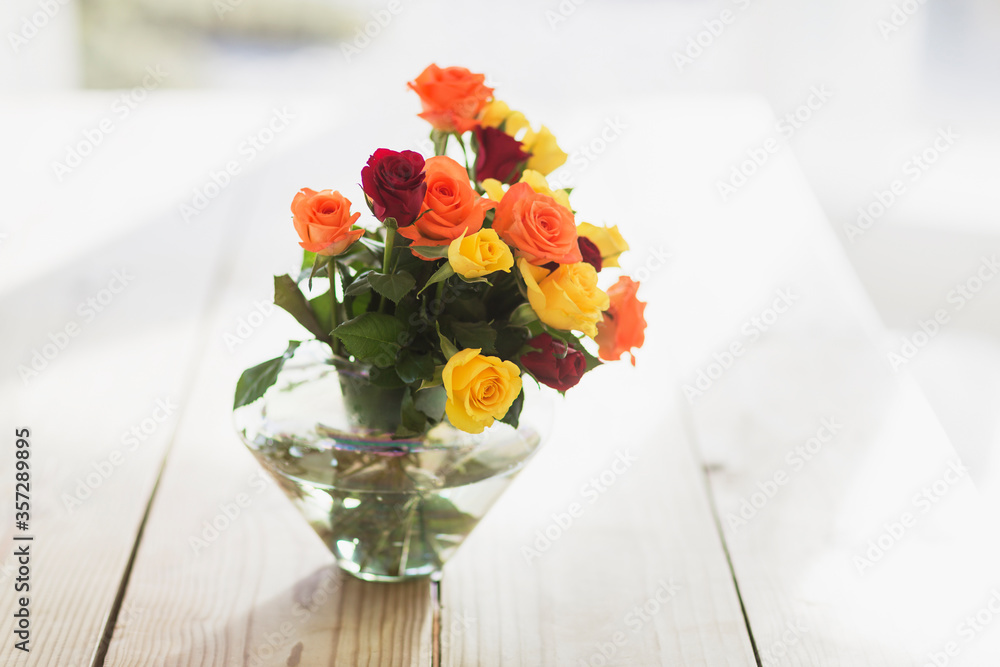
(334, 305)
(469, 170)
(390, 240)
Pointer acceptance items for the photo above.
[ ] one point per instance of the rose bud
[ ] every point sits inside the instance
(590, 252)
(500, 155)
(555, 364)
(452, 97)
(323, 221)
(395, 184)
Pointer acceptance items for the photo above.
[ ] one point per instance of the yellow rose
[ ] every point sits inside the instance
(546, 156)
(479, 254)
(567, 298)
(497, 113)
(494, 188)
(607, 239)
(480, 389)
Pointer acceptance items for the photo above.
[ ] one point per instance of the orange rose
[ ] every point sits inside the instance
(540, 229)
(451, 207)
(323, 220)
(452, 97)
(623, 326)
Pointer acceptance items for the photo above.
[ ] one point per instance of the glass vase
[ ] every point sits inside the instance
(388, 508)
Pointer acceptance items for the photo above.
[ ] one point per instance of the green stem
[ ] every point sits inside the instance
(469, 170)
(390, 240)
(331, 272)
(440, 140)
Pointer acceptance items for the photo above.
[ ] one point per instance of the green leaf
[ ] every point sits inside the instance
(509, 341)
(359, 285)
(436, 381)
(344, 273)
(472, 281)
(469, 308)
(592, 361)
(412, 367)
(393, 286)
(514, 413)
(407, 261)
(535, 328)
(377, 247)
(475, 335)
(522, 315)
(411, 418)
(288, 296)
(441, 517)
(387, 378)
(255, 381)
(447, 347)
(372, 337)
(442, 273)
(322, 308)
(308, 259)
(431, 402)
(433, 251)
(319, 268)
(359, 304)
(408, 310)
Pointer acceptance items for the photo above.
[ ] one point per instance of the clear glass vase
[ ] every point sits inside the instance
(389, 509)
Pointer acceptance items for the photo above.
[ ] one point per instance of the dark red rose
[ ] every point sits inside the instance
(500, 155)
(590, 252)
(395, 184)
(555, 364)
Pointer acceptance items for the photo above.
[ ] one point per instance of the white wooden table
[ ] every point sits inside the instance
(749, 495)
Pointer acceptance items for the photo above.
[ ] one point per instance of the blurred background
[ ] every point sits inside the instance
(872, 93)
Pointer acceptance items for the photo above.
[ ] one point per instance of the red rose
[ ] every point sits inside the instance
(556, 364)
(590, 252)
(500, 155)
(395, 184)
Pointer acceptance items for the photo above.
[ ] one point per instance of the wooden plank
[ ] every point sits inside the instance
(581, 601)
(264, 591)
(637, 577)
(245, 599)
(119, 356)
(101, 413)
(817, 449)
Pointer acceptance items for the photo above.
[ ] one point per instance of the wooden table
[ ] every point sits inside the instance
(748, 494)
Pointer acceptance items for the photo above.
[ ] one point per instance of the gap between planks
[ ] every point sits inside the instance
(101, 650)
(687, 423)
(436, 620)
(217, 282)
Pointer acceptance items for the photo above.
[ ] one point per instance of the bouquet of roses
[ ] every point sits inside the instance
(477, 274)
